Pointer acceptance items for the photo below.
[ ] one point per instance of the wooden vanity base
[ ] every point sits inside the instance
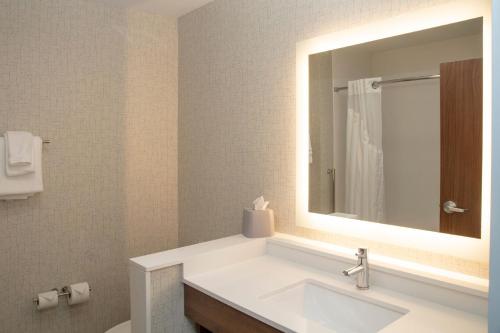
(214, 316)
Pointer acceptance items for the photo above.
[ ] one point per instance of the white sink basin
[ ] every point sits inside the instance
(333, 308)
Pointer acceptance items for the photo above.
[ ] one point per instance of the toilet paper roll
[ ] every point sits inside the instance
(79, 293)
(47, 300)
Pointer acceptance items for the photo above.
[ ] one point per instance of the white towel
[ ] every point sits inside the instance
(19, 148)
(19, 170)
(21, 187)
(16, 196)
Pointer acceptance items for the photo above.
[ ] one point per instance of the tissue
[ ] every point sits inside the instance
(260, 203)
(79, 293)
(47, 300)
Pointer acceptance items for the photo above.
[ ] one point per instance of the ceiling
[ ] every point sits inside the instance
(172, 8)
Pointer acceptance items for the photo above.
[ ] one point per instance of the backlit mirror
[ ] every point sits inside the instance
(395, 130)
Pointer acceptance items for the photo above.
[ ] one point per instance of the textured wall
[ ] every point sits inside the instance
(101, 83)
(167, 302)
(237, 111)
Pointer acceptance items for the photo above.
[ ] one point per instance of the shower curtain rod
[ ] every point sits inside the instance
(376, 84)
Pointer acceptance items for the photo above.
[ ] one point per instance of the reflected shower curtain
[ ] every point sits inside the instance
(364, 156)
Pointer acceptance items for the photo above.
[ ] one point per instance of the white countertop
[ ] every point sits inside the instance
(159, 260)
(242, 285)
(239, 271)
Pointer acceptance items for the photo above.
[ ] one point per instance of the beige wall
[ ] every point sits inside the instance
(237, 112)
(101, 83)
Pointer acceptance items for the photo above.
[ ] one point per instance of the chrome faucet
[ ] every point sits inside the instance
(360, 270)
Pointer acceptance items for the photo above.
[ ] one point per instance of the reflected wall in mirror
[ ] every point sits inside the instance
(395, 130)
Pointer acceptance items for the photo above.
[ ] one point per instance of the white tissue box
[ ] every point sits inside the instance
(258, 223)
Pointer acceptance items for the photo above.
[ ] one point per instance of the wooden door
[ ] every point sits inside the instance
(461, 145)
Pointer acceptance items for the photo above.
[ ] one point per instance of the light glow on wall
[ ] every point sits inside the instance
(465, 247)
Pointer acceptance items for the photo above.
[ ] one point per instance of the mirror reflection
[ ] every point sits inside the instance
(396, 130)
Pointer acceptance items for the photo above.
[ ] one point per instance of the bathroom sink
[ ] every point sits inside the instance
(333, 308)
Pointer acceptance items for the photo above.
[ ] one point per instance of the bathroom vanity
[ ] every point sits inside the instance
(212, 315)
(290, 284)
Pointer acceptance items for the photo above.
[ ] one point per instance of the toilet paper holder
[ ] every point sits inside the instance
(65, 291)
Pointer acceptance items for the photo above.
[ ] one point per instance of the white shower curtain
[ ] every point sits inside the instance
(364, 156)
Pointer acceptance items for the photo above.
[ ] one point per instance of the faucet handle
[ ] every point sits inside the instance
(362, 252)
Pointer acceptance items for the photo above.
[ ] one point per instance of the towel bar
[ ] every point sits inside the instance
(46, 141)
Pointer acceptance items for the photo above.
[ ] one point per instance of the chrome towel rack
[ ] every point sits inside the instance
(45, 141)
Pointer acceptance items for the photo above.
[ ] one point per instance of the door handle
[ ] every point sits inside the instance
(450, 207)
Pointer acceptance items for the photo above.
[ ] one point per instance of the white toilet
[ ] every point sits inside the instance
(124, 327)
